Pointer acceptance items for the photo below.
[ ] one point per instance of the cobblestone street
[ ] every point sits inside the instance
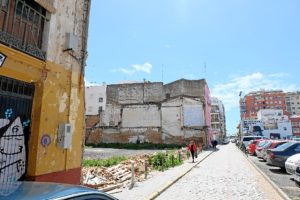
(226, 174)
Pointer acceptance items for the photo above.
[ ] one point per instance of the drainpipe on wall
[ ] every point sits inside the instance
(85, 26)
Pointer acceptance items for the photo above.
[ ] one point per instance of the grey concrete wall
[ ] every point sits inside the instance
(153, 92)
(135, 93)
(193, 88)
(141, 116)
(111, 116)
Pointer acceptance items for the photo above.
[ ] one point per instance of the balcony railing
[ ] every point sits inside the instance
(22, 26)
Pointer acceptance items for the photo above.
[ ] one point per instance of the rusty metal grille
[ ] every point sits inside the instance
(22, 25)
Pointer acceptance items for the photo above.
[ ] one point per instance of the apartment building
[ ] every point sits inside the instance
(293, 103)
(95, 99)
(252, 102)
(218, 122)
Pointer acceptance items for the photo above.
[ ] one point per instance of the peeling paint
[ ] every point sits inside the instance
(62, 102)
(75, 102)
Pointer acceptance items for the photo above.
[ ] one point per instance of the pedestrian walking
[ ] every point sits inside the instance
(215, 143)
(192, 148)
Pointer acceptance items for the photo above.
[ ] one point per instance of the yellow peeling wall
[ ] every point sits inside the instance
(59, 98)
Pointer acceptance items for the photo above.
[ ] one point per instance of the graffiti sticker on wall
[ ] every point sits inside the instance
(12, 149)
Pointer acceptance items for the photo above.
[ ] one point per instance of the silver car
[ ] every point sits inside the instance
(49, 191)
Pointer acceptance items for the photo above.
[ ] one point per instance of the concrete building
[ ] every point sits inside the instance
(251, 103)
(295, 119)
(42, 60)
(293, 103)
(156, 113)
(270, 123)
(95, 99)
(218, 122)
(251, 127)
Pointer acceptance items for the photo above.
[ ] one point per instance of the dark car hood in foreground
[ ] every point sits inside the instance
(38, 190)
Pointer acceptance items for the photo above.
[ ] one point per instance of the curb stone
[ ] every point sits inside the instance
(278, 190)
(170, 183)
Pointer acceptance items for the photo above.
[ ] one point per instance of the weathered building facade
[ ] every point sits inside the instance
(156, 113)
(218, 120)
(95, 99)
(43, 53)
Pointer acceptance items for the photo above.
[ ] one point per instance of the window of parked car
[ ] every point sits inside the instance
(297, 149)
(284, 146)
(262, 143)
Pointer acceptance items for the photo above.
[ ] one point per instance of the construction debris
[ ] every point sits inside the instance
(110, 178)
(114, 179)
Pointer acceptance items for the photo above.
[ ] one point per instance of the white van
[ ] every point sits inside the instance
(246, 139)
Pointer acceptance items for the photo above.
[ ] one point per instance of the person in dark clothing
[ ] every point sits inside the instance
(192, 148)
(215, 143)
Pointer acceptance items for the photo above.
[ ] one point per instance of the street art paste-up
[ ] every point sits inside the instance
(12, 150)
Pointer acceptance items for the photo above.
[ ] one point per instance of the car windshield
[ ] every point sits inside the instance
(266, 144)
(262, 143)
(284, 146)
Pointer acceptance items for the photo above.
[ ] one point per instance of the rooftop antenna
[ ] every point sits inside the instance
(204, 69)
(162, 73)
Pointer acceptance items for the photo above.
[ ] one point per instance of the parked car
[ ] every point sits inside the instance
(252, 146)
(225, 141)
(292, 163)
(274, 144)
(49, 191)
(297, 176)
(259, 147)
(246, 139)
(280, 154)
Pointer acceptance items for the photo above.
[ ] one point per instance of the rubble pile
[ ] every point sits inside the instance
(118, 176)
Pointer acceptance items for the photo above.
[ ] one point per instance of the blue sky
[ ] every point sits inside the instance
(246, 45)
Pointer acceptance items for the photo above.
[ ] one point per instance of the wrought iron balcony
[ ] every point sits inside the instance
(22, 26)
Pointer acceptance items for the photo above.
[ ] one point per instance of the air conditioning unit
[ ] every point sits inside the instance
(64, 138)
(72, 42)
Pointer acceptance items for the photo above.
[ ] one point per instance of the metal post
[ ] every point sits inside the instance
(132, 175)
(179, 156)
(146, 169)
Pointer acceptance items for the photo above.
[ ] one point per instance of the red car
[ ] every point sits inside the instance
(252, 146)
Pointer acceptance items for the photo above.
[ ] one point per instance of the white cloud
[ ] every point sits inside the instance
(279, 75)
(228, 92)
(146, 67)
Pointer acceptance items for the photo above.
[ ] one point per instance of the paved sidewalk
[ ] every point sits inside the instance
(159, 180)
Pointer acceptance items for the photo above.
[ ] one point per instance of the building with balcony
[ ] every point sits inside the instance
(218, 122)
(293, 103)
(252, 102)
(42, 60)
